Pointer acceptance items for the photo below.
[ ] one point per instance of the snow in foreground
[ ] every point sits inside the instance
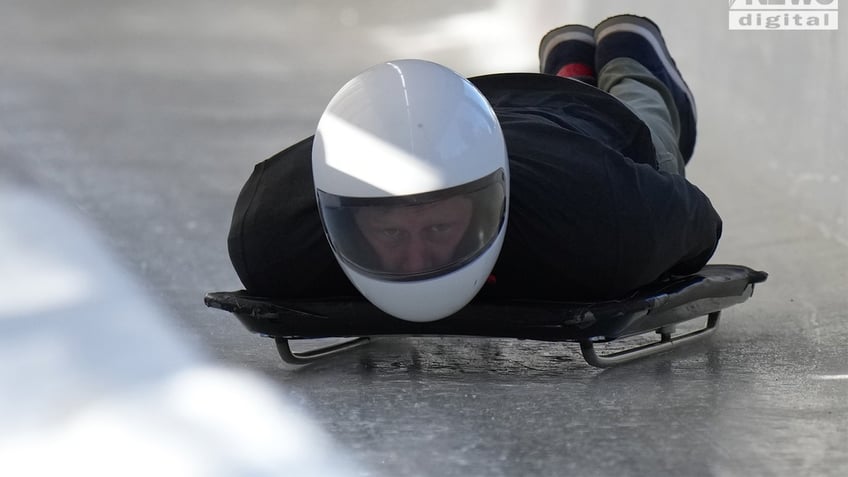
(94, 382)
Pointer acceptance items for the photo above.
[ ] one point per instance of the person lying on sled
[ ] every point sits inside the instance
(422, 189)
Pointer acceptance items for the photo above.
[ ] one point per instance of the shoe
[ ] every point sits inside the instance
(568, 51)
(640, 39)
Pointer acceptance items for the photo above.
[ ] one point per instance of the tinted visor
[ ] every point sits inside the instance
(416, 236)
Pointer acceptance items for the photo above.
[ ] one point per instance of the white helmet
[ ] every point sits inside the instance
(412, 181)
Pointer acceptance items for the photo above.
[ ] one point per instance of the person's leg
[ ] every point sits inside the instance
(635, 86)
(635, 66)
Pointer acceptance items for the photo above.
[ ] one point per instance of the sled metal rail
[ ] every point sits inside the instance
(655, 308)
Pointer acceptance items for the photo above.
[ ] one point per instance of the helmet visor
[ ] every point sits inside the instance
(417, 236)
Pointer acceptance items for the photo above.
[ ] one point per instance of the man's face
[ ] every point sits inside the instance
(418, 238)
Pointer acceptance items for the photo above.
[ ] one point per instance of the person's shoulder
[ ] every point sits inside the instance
(298, 149)
(292, 163)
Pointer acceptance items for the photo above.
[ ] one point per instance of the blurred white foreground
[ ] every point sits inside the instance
(93, 381)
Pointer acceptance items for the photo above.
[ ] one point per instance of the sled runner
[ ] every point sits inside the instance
(656, 308)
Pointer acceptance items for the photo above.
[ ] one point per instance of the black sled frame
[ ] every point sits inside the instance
(656, 308)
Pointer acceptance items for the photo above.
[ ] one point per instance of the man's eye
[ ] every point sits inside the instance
(440, 228)
(390, 233)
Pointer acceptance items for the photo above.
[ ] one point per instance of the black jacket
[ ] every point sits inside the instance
(590, 215)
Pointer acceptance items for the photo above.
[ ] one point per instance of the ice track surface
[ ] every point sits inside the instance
(147, 117)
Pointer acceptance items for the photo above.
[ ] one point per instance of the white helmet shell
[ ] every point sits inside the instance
(411, 142)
